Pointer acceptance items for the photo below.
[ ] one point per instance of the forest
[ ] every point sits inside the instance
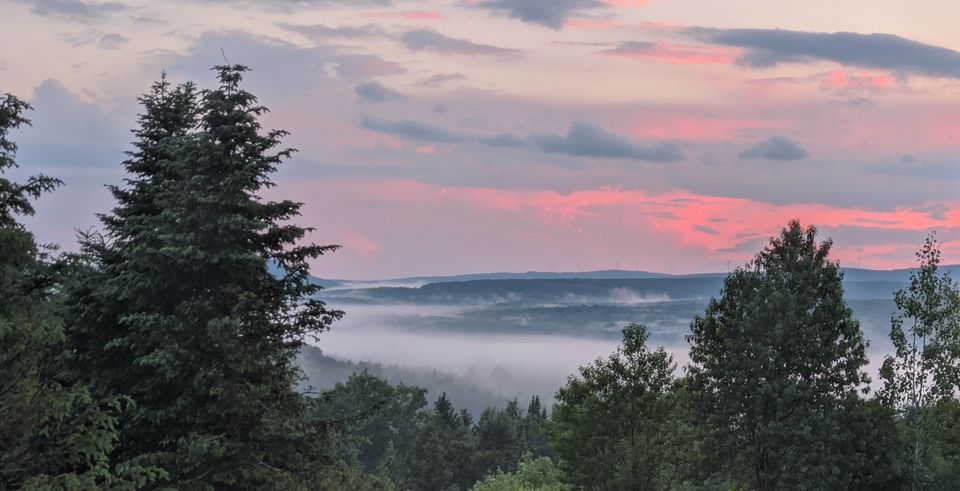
(162, 354)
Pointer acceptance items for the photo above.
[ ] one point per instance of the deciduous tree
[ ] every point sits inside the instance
(924, 370)
(608, 425)
(772, 359)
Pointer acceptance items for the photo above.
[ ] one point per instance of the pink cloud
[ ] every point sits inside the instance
(676, 53)
(626, 3)
(423, 15)
(424, 228)
(359, 244)
(591, 25)
(661, 26)
(840, 79)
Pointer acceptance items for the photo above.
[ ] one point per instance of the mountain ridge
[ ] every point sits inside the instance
(850, 274)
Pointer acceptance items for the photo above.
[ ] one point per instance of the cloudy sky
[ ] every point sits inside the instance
(456, 136)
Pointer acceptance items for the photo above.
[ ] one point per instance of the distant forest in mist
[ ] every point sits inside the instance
(173, 350)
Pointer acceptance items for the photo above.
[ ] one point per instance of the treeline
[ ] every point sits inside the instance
(775, 397)
(161, 355)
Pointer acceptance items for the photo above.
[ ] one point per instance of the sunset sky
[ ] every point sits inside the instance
(459, 136)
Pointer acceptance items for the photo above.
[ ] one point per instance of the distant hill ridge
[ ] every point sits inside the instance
(850, 275)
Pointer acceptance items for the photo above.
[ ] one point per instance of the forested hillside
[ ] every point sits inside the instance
(163, 353)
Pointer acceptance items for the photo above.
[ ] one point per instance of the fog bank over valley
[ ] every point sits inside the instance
(491, 340)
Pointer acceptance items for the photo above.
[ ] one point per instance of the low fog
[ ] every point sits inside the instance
(486, 353)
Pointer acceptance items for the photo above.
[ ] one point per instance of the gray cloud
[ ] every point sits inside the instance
(769, 47)
(355, 67)
(935, 168)
(288, 4)
(859, 102)
(705, 229)
(75, 10)
(585, 139)
(113, 40)
(69, 132)
(440, 79)
(322, 33)
(110, 40)
(377, 92)
(775, 148)
(630, 47)
(411, 130)
(550, 14)
(77, 39)
(503, 140)
(278, 66)
(430, 40)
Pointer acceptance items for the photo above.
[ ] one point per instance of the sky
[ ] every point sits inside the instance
(462, 136)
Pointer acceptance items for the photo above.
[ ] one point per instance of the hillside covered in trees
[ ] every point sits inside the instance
(161, 355)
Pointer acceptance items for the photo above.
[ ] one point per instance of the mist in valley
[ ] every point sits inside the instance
(487, 343)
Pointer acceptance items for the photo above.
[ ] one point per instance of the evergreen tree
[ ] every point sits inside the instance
(443, 454)
(500, 438)
(534, 429)
(52, 434)
(182, 312)
(126, 274)
(771, 361)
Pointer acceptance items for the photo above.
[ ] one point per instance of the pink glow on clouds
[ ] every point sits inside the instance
(626, 3)
(692, 209)
(359, 244)
(661, 26)
(366, 139)
(913, 129)
(424, 15)
(679, 54)
(840, 79)
(426, 149)
(494, 229)
(941, 128)
(591, 25)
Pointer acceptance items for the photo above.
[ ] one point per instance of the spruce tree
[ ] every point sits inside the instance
(53, 434)
(201, 298)
(772, 361)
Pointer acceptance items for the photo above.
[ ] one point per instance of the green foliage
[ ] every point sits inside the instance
(501, 438)
(924, 371)
(867, 446)
(53, 435)
(532, 474)
(942, 459)
(771, 362)
(443, 452)
(162, 356)
(15, 197)
(180, 310)
(381, 421)
(534, 429)
(610, 424)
